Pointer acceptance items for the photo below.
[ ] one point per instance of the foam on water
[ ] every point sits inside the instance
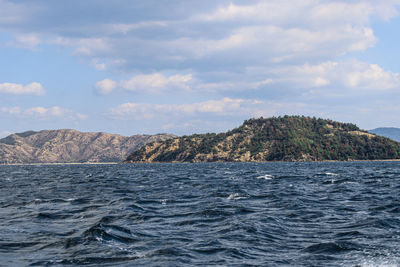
(331, 174)
(236, 196)
(380, 262)
(266, 177)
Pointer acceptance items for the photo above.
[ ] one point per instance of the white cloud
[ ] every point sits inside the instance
(34, 88)
(156, 82)
(99, 66)
(350, 75)
(11, 110)
(298, 49)
(43, 113)
(81, 116)
(371, 77)
(149, 83)
(105, 86)
(222, 107)
(26, 41)
(11, 13)
(219, 34)
(46, 112)
(205, 116)
(125, 28)
(335, 77)
(86, 47)
(278, 12)
(270, 44)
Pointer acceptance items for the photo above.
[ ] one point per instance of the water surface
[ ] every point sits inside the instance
(271, 214)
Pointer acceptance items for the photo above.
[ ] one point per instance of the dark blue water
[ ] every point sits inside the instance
(270, 214)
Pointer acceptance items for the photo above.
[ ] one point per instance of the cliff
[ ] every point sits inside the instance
(288, 138)
(52, 146)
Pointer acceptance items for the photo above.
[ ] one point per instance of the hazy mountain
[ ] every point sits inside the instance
(51, 146)
(389, 132)
(289, 138)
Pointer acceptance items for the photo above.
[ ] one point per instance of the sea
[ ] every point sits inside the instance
(201, 214)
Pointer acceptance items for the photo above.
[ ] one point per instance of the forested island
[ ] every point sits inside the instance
(287, 138)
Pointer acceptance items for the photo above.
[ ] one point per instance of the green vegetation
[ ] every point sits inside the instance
(288, 138)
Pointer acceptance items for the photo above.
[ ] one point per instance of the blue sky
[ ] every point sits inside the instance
(186, 66)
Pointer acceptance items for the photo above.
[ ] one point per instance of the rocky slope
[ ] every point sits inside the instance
(70, 146)
(389, 132)
(289, 138)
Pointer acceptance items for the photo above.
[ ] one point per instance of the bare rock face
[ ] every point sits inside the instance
(57, 146)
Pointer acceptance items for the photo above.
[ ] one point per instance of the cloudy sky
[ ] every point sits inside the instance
(186, 66)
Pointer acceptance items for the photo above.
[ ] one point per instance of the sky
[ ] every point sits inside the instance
(188, 66)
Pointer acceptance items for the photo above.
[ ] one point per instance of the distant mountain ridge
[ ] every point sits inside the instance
(63, 146)
(288, 138)
(389, 132)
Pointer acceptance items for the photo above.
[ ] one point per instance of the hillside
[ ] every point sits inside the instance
(289, 138)
(389, 132)
(70, 146)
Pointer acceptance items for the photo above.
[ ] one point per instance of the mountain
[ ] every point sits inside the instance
(71, 146)
(288, 138)
(389, 132)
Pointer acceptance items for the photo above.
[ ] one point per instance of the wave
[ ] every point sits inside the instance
(266, 177)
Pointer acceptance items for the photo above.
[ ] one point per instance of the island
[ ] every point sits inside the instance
(286, 138)
(70, 146)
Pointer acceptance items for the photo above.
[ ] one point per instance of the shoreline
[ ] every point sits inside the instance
(59, 163)
(116, 163)
(318, 161)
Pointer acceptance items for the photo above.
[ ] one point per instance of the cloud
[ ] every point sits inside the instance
(99, 66)
(125, 28)
(105, 86)
(26, 41)
(156, 82)
(330, 78)
(208, 46)
(222, 107)
(203, 116)
(148, 83)
(313, 12)
(11, 110)
(86, 47)
(372, 77)
(34, 88)
(46, 112)
(208, 34)
(349, 76)
(43, 113)
(270, 44)
(281, 52)
(11, 13)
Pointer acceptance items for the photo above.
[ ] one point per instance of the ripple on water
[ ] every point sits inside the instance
(268, 214)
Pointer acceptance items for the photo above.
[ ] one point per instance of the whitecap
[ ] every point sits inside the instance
(331, 174)
(236, 196)
(266, 177)
(384, 262)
